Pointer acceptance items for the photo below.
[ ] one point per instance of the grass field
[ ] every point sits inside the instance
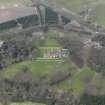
(40, 67)
(78, 82)
(98, 14)
(81, 80)
(25, 103)
(50, 39)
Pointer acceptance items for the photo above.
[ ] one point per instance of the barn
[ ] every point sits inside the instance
(18, 16)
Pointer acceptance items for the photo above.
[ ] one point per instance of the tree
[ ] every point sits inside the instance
(96, 59)
(18, 48)
(75, 47)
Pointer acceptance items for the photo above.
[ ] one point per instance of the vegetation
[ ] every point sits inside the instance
(27, 78)
(17, 50)
(75, 46)
(37, 67)
(25, 103)
(96, 60)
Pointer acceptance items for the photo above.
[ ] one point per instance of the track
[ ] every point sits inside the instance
(72, 16)
(64, 12)
(67, 13)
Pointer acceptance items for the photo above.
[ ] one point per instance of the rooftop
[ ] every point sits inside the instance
(15, 13)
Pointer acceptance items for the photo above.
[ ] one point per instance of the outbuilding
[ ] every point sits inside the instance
(13, 17)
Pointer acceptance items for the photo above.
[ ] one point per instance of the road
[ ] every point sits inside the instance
(72, 16)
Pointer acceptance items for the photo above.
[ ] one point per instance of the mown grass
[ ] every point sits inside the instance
(81, 79)
(78, 82)
(51, 39)
(98, 14)
(40, 67)
(25, 103)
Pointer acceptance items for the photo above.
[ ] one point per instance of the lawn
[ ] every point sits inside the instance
(51, 39)
(81, 79)
(78, 82)
(98, 14)
(51, 43)
(25, 103)
(41, 67)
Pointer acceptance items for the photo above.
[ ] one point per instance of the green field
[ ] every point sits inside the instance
(78, 82)
(98, 14)
(50, 39)
(81, 80)
(40, 67)
(25, 103)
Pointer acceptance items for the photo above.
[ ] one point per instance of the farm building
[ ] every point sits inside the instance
(53, 18)
(14, 17)
(24, 17)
